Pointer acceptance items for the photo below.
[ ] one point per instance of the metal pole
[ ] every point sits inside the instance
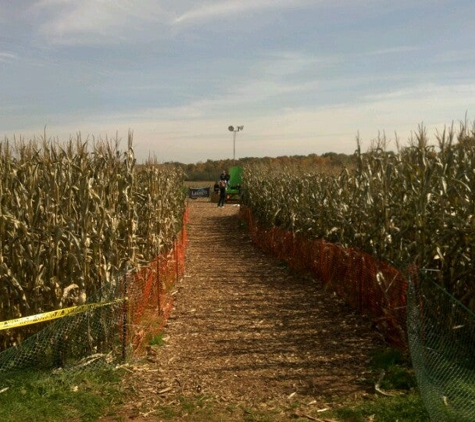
(234, 145)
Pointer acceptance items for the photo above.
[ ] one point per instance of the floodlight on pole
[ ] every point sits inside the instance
(235, 130)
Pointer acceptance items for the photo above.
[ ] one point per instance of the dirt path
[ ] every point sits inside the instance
(249, 335)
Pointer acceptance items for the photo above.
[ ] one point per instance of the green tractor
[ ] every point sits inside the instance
(233, 190)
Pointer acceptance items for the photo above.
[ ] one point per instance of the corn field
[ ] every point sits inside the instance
(75, 215)
(412, 206)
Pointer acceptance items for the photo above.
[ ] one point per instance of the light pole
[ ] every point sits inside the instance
(235, 130)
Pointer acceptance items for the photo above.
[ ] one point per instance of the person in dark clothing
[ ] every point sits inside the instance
(222, 193)
(216, 187)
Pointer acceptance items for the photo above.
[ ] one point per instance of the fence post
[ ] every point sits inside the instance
(158, 286)
(360, 284)
(124, 319)
(175, 247)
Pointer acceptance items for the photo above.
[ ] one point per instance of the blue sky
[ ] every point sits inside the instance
(301, 76)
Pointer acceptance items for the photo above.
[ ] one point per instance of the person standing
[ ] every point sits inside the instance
(222, 193)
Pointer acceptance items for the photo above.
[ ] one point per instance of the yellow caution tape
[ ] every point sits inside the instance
(46, 316)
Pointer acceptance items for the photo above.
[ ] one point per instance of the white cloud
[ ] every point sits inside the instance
(194, 132)
(393, 50)
(231, 8)
(96, 22)
(178, 72)
(7, 57)
(287, 63)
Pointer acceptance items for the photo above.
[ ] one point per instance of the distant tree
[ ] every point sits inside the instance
(211, 169)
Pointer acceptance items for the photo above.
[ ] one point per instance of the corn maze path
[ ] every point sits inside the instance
(247, 334)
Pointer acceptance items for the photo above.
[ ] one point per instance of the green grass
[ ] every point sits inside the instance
(403, 402)
(403, 408)
(398, 372)
(40, 396)
(157, 340)
(86, 396)
(197, 408)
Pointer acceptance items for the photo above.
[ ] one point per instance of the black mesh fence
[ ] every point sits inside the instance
(441, 333)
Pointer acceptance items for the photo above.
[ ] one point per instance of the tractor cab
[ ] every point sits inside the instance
(233, 189)
(233, 192)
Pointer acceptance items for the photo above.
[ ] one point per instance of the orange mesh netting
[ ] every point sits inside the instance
(150, 293)
(372, 287)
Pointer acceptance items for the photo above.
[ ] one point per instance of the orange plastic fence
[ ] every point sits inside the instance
(370, 286)
(150, 293)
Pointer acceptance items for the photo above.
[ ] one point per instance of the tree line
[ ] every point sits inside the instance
(210, 170)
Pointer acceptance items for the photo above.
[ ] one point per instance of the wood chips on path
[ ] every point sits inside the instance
(248, 334)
